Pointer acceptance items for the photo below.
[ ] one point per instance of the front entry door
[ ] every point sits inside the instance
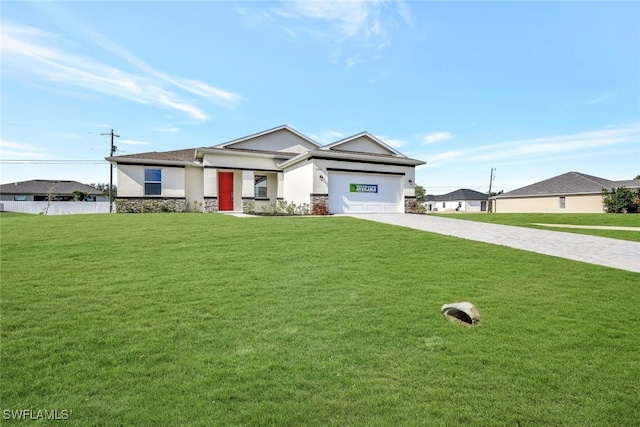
(225, 191)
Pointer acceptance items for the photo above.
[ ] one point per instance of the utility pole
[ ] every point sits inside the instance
(490, 184)
(113, 150)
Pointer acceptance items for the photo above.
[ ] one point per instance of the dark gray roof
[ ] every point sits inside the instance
(43, 186)
(186, 155)
(569, 183)
(461, 194)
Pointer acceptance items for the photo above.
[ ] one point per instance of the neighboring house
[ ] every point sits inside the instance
(572, 192)
(463, 200)
(41, 189)
(356, 174)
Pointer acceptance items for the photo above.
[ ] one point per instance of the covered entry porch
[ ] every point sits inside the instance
(236, 190)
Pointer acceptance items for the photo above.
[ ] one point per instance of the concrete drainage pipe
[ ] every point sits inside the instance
(461, 312)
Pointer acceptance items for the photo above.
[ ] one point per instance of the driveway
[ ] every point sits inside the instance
(620, 254)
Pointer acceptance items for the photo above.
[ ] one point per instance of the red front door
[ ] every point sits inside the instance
(225, 191)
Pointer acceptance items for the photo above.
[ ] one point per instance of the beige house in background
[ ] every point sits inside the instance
(572, 192)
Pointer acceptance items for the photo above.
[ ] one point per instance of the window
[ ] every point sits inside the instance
(260, 187)
(153, 182)
(444, 205)
(562, 202)
(20, 197)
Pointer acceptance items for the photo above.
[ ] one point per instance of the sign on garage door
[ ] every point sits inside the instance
(365, 192)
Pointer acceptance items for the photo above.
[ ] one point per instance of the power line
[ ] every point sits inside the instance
(52, 161)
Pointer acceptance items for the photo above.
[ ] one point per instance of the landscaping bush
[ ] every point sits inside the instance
(621, 200)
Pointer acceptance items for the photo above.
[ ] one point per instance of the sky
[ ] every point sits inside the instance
(530, 89)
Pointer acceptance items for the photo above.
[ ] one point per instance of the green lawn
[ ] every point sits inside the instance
(194, 319)
(531, 219)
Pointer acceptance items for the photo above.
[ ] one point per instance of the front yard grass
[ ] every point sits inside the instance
(193, 319)
(531, 219)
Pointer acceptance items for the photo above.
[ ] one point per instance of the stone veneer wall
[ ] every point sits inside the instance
(142, 205)
(210, 204)
(319, 204)
(410, 205)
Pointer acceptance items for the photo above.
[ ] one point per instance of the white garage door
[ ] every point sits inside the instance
(364, 192)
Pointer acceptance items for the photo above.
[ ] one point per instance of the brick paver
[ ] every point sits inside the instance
(620, 254)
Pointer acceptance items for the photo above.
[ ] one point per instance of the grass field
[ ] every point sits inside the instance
(530, 220)
(188, 319)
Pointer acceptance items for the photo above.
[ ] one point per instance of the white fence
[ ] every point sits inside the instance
(55, 208)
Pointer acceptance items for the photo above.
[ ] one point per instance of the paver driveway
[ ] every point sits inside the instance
(621, 254)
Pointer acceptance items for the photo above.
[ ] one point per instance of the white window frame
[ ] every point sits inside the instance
(260, 187)
(152, 182)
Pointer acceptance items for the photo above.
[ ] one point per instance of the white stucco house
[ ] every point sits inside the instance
(462, 200)
(356, 174)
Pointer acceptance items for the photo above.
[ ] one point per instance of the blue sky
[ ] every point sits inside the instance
(533, 89)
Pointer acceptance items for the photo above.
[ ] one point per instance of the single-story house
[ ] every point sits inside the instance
(37, 190)
(462, 200)
(356, 174)
(572, 192)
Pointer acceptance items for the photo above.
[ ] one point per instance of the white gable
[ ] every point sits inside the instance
(363, 143)
(281, 139)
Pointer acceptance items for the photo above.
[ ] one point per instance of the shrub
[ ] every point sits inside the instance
(620, 200)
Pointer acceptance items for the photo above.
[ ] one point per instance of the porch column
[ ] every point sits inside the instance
(210, 188)
(280, 192)
(248, 191)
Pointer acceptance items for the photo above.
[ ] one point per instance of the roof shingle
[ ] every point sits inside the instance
(569, 183)
(43, 186)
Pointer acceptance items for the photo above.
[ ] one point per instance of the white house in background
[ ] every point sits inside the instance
(356, 174)
(463, 200)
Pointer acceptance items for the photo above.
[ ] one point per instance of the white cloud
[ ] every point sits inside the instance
(351, 17)
(30, 50)
(358, 26)
(131, 142)
(600, 99)
(170, 129)
(436, 137)
(327, 136)
(12, 150)
(512, 151)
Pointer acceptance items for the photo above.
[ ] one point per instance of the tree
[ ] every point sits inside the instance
(105, 188)
(420, 193)
(51, 196)
(79, 196)
(621, 200)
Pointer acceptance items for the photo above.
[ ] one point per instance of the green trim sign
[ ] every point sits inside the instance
(363, 188)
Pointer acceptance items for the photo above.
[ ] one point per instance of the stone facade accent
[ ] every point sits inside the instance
(319, 204)
(410, 205)
(144, 205)
(210, 205)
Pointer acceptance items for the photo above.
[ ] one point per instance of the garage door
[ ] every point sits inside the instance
(365, 192)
